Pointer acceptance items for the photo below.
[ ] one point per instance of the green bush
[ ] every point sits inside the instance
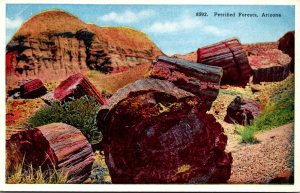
(247, 133)
(80, 113)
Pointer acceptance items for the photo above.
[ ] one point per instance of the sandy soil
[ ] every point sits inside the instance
(261, 162)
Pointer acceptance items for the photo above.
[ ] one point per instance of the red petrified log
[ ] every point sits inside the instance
(154, 132)
(77, 86)
(55, 145)
(242, 111)
(199, 79)
(231, 57)
(32, 89)
(287, 45)
(269, 66)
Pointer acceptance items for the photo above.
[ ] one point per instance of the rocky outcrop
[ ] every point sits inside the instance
(231, 57)
(54, 49)
(287, 45)
(269, 66)
(55, 145)
(154, 132)
(242, 111)
(199, 79)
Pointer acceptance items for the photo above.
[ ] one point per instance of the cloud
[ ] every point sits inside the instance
(14, 23)
(214, 30)
(127, 16)
(183, 23)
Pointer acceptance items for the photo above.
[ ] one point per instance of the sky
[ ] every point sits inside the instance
(173, 28)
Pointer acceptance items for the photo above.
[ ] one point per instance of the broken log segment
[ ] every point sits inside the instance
(231, 57)
(287, 45)
(76, 86)
(199, 79)
(242, 111)
(32, 89)
(55, 145)
(154, 132)
(269, 66)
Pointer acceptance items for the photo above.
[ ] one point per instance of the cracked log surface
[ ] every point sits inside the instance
(231, 57)
(74, 86)
(199, 79)
(154, 132)
(55, 145)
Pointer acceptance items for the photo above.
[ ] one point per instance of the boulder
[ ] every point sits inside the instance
(56, 145)
(199, 79)
(269, 66)
(231, 57)
(242, 111)
(287, 45)
(154, 132)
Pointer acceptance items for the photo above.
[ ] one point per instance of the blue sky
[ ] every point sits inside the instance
(173, 28)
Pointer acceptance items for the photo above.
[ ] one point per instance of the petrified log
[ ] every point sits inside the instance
(55, 145)
(270, 66)
(242, 111)
(32, 89)
(154, 132)
(76, 86)
(231, 57)
(287, 45)
(199, 79)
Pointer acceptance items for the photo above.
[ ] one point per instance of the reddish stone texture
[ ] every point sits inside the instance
(77, 86)
(154, 132)
(287, 45)
(269, 66)
(231, 57)
(32, 89)
(242, 111)
(55, 145)
(199, 79)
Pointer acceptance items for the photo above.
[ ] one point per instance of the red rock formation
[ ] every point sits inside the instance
(33, 89)
(55, 145)
(199, 79)
(242, 111)
(269, 66)
(256, 48)
(76, 86)
(231, 57)
(154, 132)
(287, 45)
(49, 48)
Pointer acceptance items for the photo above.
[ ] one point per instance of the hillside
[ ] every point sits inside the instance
(55, 44)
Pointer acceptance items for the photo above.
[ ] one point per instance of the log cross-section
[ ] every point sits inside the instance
(56, 145)
(199, 79)
(231, 57)
(154, 132)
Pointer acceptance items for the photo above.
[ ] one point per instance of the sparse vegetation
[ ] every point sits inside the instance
(20, 175)
(80, 113)
(279, 111)
(247, 134)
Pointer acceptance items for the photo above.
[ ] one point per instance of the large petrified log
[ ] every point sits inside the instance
(231, 57)
(269, 66)
(199, 79)
(287, 45)
(75, 86)
(55, 145)
(242, 111)
(154, 132)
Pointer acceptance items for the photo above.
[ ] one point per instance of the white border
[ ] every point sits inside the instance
(140, 188)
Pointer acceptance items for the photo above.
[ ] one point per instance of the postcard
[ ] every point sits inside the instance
(155, 96)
